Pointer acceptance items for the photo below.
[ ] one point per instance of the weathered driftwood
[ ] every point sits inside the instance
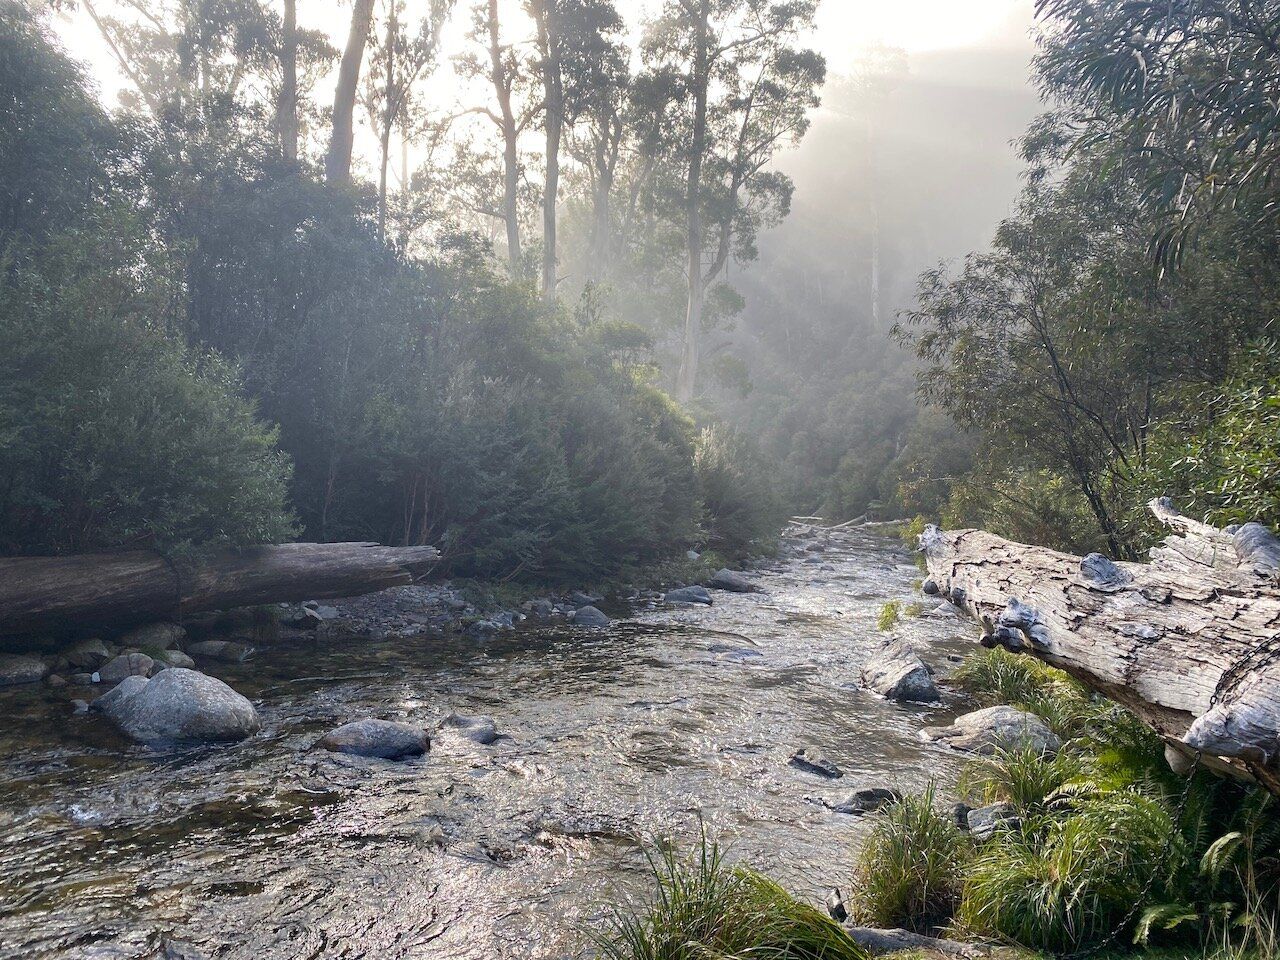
(84, 593)
(1190, 642)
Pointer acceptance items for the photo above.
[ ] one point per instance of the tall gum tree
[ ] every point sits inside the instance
(748, 88)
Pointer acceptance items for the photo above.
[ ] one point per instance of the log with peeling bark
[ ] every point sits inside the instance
(1190, 642)
(85, 593)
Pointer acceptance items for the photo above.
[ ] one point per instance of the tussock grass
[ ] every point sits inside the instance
(704, 908)
(909, 868)
(997, 676)
(1022, 776)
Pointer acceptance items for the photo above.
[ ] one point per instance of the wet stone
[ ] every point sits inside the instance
(810, 760)
(385, 739)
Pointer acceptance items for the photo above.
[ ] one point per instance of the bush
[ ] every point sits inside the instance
(703, 908)
(909, 868)
(111, 432)
(741, 504)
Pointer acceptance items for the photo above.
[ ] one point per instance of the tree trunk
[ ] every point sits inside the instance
(686, 382)
(1190, 642)
(82, 594)
(388, 121)
(287, 111)
(510, 136)
(553, 92)
(337, 168)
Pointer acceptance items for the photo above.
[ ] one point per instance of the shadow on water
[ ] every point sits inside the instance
(269, 849)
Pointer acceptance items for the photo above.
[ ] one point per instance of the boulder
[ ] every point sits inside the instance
(385, 739)
(480, 730)
(21, 668)
(87, 654)
(896, 673)
(865, 800)
(580, 599)
(996, 728)
(178, 705)
(540, 609)
(228, 651)
(161, 636)
(984, 822)
(811, 761)
(173, 658)
(734, 582)
(590, 617)
(126, 665)
(694, 594)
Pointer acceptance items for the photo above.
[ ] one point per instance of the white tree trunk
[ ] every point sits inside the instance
(1190, 642)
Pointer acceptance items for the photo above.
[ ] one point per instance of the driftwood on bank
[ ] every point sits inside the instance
(1190, 642)
(80, 594)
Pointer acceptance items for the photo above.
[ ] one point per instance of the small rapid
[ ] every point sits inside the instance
(669, 721)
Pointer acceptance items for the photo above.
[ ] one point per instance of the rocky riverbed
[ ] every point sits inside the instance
(531, 752)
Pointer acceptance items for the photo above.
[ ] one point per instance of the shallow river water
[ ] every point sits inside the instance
(665, 721)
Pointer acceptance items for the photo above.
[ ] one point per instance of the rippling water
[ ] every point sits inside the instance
(267, 849)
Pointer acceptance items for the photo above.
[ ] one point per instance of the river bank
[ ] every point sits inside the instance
(670, 717)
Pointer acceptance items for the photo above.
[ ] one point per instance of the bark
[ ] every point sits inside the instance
(82, 594)
(502, 84)
(389, 110)
(553, 92)
(287, 110)
(1190, 642)
(686, 382)
(337, 166)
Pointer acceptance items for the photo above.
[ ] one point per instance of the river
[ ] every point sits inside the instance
(670, 721)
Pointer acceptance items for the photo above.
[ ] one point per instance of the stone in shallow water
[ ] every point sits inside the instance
(896, 673)
(158, 635)
(126, 665)
(694, 594)
(481, 730)
(996, 728)
(811, 761)
(733, 582)
(228, 651)
(385, 739)
(865, 800)
(87, 654)
(21, 668)
(178, 705)
(590, 617)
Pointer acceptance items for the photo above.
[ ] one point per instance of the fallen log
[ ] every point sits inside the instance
(1190, 642)
(85, 593)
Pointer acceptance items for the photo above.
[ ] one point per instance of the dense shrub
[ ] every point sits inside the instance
(742, 505)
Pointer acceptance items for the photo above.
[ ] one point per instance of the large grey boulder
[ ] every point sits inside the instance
(159, 636)
(896, 673)
(694, 594)
(87, 654)
(21, 668)
(178, 705)
(590, 617)
(996, 728)
(385, 739)
(126, 665)
(734, 582)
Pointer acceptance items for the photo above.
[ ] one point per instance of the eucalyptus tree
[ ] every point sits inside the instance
(337, 164)
(748, 86)
(1186, 92)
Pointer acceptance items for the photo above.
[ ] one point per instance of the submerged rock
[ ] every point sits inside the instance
(21, 668)
(385, 739)
(996, 728)
(178, 705)
(480, 730)
(897, 673)
(864, 800)
(811, 761)
(126, 665)
(726, 579)
(694, 594)
(590, 617)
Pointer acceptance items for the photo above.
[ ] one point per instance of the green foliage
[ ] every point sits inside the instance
(742, 506)
(705, 909)
(890, 615)
(909, 868)
(997, 676)
(1022, 776)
